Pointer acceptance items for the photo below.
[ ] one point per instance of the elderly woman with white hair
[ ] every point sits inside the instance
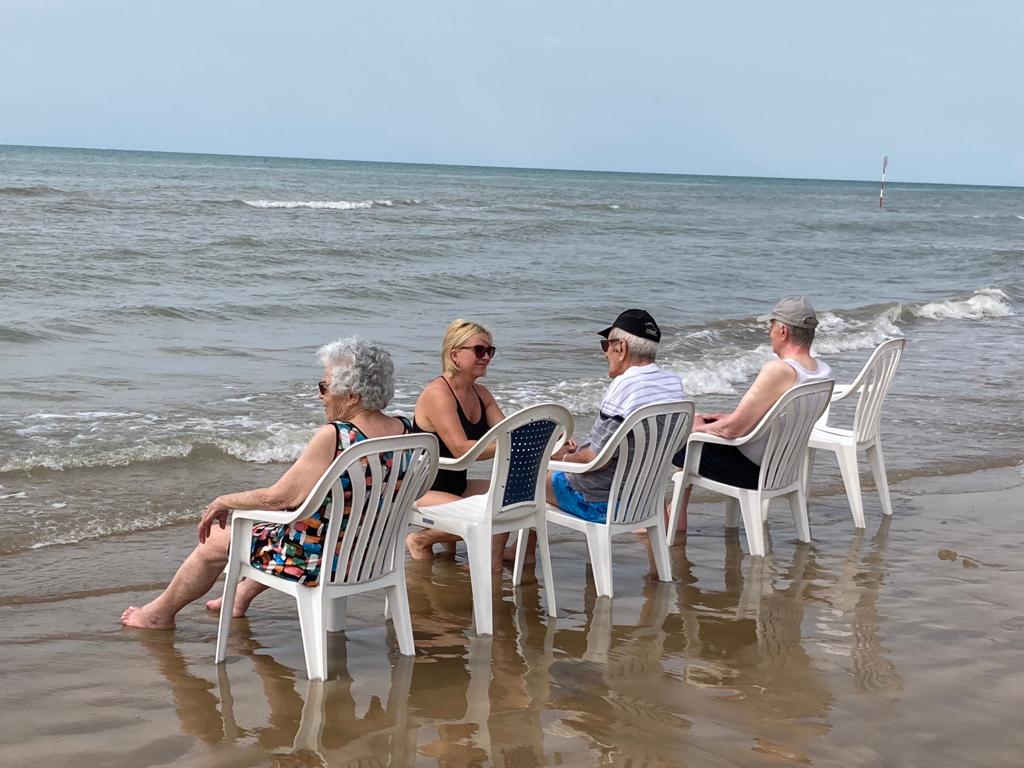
(357, 385)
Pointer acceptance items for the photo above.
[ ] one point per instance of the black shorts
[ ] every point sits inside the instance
(450, 481)
(724, 464)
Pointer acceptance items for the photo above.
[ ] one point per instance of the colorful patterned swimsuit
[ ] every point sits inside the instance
(294, 551)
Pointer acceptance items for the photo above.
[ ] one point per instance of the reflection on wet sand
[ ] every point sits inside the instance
(853, 598)
(642, 680)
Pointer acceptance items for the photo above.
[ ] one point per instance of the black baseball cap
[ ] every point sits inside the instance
(637, 322)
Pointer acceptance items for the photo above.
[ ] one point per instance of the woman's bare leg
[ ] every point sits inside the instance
(421, 543)
(194, 579)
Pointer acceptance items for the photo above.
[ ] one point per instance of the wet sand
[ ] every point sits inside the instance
(900, 645)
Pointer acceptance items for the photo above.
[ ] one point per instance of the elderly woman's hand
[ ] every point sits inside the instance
(218, 511)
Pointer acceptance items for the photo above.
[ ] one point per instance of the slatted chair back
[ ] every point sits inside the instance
(385, 476)
(525, 441)
(788, 425)
(647, 440)
(873, 383)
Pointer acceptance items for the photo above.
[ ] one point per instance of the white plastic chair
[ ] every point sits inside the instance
(871, 386)
(370, 555)
(515, 500)
(788, 426)
(642, 447)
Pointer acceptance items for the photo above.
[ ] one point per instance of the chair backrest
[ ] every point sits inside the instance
(873, 383)
(385, 476)
(525, 441)
(788, 425)
(645, 443)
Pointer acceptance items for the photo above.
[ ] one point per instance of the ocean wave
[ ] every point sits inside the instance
(986, 303)
(62, 461)
(38, 191)
(15, 336)
(74, 531)
(333, 205)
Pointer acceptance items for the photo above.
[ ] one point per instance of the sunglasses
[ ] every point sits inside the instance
(605, 343)
(480, 350)
(322, 386)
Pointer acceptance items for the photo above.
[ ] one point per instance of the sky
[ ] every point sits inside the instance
(752, 88)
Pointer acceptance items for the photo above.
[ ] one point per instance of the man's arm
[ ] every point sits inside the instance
(774, 379)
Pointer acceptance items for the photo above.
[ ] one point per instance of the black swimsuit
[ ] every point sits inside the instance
(448, 480)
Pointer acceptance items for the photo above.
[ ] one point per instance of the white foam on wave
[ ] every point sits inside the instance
(119, 457)
(837, 335)
(333, 205)
(985, 303)
(719, 376)
(73, 530)
(283, 446)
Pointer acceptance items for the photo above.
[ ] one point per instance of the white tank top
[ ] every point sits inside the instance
(755, 450)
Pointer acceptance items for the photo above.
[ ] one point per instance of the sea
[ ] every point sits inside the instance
(161, 312)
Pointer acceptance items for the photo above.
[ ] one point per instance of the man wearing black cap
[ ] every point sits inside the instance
(630, 345)
(791, 325)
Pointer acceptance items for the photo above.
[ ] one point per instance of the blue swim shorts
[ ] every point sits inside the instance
(572, 502)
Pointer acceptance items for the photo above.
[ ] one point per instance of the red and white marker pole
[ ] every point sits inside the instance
(881, 189)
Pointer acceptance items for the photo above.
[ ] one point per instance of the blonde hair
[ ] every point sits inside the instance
(458, 333)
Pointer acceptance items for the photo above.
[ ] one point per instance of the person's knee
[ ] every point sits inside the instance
(214, 551)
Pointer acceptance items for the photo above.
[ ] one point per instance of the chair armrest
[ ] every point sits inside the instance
(840, 391)
(707, 437)
(574, 467)
(265, 515)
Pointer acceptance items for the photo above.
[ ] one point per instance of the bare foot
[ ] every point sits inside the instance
(420, 546)
(145, 618)
(237, 612)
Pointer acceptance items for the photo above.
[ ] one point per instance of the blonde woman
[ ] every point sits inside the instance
(459, 411)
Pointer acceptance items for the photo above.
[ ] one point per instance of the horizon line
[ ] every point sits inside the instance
(506, 167)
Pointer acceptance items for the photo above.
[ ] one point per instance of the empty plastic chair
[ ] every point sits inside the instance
(642, 449)
(788, 426)
(366, 535)
(871, 386)
(515, 500)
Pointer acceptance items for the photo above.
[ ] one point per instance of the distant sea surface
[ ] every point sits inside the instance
(160, 312)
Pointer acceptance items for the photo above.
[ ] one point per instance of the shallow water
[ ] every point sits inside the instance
(891, 646)
(161, 311)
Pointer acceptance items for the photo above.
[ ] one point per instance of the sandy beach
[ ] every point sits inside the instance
(889, 646)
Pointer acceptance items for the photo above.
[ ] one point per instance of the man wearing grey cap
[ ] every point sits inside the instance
(791, 325)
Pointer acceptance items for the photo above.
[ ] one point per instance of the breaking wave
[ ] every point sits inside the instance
(333, 205)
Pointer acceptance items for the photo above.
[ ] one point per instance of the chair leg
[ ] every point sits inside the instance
(753, 522)
(877, 462)
(847, 456)
(678, 489)
(599, 543)
(227, 601)
(798, 503)
(812, 454)
(732, 512)
(522, 538)
(336, 610)
(398, 599)
(478, 548)
(544, 551)
(659, 550)
(314, 638)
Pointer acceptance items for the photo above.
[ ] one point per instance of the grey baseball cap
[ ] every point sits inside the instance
(793, 310)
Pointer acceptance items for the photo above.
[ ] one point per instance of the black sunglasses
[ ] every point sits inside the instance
(480, 350)
(605, 343)
(322, 386)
